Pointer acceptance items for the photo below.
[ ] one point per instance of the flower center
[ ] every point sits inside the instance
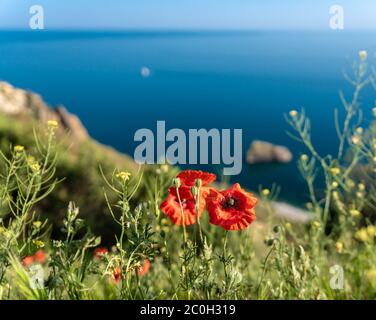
(229, 203)
(184, 203)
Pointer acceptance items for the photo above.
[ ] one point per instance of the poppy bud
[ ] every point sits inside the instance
(194, 191)
(176, 183)
(198, 183)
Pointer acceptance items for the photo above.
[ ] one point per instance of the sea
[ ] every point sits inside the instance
(120, 81)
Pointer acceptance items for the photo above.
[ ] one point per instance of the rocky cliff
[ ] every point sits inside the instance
(24, 104)
(79, 156)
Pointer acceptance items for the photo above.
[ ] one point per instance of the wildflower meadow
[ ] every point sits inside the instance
(187, 234)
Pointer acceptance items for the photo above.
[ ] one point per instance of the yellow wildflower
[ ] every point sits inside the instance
(164, 168)
(371, 231)
(19, 148)
(37, 224)
(339, 247)
(363, 55)
(354, 213)
(359, 130)
(362, 235)
(335, 171)
(293, 113)
(316, 224)
(265, 192)
(30, 160)
(361, 187)
(335, 185)
(355, 139)
(52, 124)
(35, 167)
(123, 175)
(39, 243)
(304, 157)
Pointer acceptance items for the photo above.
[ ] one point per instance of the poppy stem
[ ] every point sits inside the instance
(224, 253)
(182, 217)
(198, 225)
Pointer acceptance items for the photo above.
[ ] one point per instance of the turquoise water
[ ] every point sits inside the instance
(244, 80)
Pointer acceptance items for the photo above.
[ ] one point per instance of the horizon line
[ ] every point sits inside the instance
(213, 30)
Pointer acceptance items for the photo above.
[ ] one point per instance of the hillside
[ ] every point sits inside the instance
(79, 155)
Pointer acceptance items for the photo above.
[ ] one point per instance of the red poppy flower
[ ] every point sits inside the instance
(144, 269)
(189, 177)
(171, 207)
(231, 209)
(40, 257)
(27, 261)
(99, 253)
(116, 274)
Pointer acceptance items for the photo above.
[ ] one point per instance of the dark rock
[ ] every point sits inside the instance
(265, 152)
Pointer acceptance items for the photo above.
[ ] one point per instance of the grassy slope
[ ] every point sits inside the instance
(79, 166)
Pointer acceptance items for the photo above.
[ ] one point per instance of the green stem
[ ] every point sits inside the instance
(182, 216)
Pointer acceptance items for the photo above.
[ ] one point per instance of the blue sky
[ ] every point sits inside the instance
(188, 14)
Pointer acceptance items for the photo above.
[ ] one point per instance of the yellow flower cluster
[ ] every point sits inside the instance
(335, 171)
(123, 175)
(37, 224)
(339, 247)
(33, 164)
(366, 234)
(363, 55)
(162, 169)
(354, 213)
(355, 139)
(19, 149)
(52, 124)
(316, 224)
(39, 243)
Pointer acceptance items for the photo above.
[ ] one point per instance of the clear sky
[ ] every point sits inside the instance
(188, 14)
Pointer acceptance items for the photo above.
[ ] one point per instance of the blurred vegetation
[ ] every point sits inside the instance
(79, 168)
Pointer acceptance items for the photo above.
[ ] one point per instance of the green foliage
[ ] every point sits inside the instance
(78, 168)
